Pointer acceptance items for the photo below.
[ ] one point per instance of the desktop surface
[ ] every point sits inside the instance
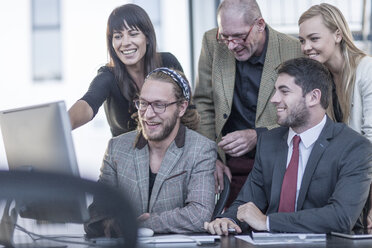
(232, 242)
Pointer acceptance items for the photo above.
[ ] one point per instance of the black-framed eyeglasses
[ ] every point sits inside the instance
(239, 39)
(157, 107)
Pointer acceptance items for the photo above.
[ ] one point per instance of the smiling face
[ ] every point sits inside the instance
(291, 105)
(164, 126)
(233, 26)
(130, 46)
(318, 42)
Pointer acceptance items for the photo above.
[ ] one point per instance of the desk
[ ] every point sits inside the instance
(225, 241)
(232, 242)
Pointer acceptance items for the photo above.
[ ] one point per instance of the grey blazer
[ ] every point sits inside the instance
(215, 83)
(334, 188)
(183, 193)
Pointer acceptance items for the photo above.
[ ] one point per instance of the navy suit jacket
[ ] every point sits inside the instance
(334, 188)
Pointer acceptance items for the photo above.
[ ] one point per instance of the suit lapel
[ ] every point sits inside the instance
(224, 84)
(268, 78)
(170, 159)
(141, 165)
(315, 155)
(280, 165)
(228, 81)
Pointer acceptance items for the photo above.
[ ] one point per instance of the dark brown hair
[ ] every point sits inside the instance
(131, 16)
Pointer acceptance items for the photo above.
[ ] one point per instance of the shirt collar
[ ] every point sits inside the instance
(261, 59)
(309, 136)
(141, 141)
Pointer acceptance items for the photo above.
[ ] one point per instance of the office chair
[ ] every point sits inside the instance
(222, 197)
(22, 191)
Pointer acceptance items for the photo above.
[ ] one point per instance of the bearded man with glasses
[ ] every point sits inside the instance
(164, 166)
(236, 76)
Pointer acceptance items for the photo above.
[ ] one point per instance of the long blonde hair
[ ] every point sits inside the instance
(334, 20)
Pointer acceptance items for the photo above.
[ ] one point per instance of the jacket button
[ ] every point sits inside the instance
(225, 116)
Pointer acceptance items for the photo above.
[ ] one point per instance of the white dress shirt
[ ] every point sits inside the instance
(308, 139)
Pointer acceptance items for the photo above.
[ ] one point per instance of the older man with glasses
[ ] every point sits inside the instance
(237, 72)
(164, 166)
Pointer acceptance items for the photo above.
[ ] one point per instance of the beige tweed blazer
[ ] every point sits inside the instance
(214, 88)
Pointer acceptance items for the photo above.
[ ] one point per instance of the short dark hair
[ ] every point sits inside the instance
(309, 74)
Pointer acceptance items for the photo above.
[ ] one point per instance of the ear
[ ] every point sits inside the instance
(338, 36)
(182, 108)
(313, 97)
(261, 24)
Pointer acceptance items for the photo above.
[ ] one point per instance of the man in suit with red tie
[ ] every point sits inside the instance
(310, 174)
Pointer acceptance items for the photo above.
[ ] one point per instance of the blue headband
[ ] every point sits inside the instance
(182, 83)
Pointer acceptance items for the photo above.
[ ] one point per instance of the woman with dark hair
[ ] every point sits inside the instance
(131, 44)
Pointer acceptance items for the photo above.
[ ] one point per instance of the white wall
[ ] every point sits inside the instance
(15, 51)
(175, 31)
(204, 15)
(83, 52)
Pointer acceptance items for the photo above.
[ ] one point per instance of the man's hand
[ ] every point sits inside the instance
(239, 142)
(250, 214)
(221, 226)
(109, 227)
(143, 217)
(218, 176)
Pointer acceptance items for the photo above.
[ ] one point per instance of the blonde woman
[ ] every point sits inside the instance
(325, 36)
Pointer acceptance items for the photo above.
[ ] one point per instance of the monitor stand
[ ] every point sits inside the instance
(7, 227)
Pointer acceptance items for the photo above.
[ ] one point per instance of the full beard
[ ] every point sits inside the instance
(298, 117)
(168, 127)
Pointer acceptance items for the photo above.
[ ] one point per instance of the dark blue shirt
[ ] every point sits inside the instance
(247, 84)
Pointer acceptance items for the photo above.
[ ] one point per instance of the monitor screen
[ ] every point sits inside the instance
(38, 138)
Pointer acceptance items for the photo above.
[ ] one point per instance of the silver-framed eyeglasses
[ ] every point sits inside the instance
(157, 107)
(238, 39)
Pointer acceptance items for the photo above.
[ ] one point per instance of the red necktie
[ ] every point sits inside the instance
(289, 186)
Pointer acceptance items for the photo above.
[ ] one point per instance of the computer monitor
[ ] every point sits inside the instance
(38, 138)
